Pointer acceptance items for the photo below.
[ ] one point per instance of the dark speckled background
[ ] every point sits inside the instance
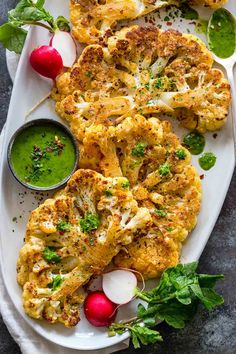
(213, 332)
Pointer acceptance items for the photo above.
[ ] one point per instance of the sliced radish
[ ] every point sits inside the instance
(46, 61)
(65, 45)
(119, 286)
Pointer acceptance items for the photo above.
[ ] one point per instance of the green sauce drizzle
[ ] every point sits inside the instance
(195, 142)
(201, 26)
(188, 12)
(221, 32)
(207, 161)
(43, 155)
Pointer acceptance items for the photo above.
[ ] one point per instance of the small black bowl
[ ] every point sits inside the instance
(42, 121)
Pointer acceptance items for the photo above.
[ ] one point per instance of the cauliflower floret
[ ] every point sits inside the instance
(143, 70)
(93, 218)
(206, 106)
(94, 21)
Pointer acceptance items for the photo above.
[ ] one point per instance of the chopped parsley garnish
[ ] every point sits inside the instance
(126, 184)
(89, 74)
(56, 283)
(89, 222)
(169, 229)
(63, 226)
(161, 212)
(158, 84)
(147, 86)
(50, 255)
(164, 169)
(181, 154)
(34, 170)
(139, 150)
(108, 193)
(195, 142)
(207, 161)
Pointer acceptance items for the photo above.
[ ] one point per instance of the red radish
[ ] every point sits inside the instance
(46, 61)
(65, 45)
(99, 310)
(119, 286)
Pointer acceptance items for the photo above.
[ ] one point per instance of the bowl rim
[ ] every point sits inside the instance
(41, 121)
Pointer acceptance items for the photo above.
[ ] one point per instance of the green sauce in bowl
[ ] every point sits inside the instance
(221, 33)
(42, 154)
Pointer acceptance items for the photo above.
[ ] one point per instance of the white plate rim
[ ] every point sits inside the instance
(116, 339)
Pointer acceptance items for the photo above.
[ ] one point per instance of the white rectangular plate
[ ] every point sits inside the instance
(17, 202)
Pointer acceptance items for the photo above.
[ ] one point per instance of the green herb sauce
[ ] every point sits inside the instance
(43, 155)
(188, 12)
(207, 161)
(201, 26)
(221, 32)
(195, 142)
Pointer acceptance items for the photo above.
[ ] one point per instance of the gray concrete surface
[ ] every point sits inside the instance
(213, 332)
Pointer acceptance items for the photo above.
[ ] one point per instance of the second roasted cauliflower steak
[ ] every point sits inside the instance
(72, 237)
(144, 70)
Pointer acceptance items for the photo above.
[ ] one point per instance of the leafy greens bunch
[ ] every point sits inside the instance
(28, 12)
(175, 300)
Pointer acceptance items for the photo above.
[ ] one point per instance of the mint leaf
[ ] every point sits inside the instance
(12, 37)
(209, 281)
(176, 314)
(144, 335)
(210, 299)
(40, 3)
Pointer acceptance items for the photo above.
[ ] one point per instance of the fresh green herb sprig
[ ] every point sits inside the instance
(28, 12)
(175, 300)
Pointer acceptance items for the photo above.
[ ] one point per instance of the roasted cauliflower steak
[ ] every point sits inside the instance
(93, 21)
(144, 70)
(71, 237)
(161, 178)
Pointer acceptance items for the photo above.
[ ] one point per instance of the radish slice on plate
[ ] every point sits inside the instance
(119, 286)
(65, 45)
